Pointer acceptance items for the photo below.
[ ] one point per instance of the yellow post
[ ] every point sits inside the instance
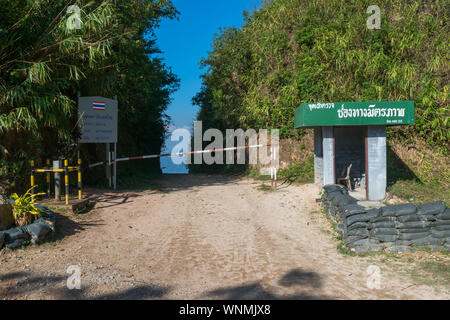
(32, 176)
(79, 179)
(48, 177)
(66, 179)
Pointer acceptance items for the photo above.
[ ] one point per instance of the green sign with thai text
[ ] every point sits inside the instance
(355, 114)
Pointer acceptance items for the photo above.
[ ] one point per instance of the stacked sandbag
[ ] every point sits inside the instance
(35, 232)
(397, 228)
(15, 237)
(438, 215)
(442, 222)
(2, 239)
(334, 199)
(358, 233)
(47, 216)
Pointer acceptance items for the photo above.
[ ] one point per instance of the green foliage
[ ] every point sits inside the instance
(265, 188)
(44, 66)
(301, 172)
(418, 193)
(291, 51)
(254, 173)
(24, 207)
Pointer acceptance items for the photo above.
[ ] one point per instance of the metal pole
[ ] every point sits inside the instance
(32, 176)
(115, 166)
(57, 165)
(48, 178)
(107, 160)
(109, 169)
(115, 156)
(66, 179)
(80, 196)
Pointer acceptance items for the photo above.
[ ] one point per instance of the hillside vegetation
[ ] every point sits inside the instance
(290, 52)
(44, 65)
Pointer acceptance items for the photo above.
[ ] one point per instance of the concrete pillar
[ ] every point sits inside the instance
(318, 156)
(328, 155)
(376, 163)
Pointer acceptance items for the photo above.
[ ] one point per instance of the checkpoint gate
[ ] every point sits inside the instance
(353, 135)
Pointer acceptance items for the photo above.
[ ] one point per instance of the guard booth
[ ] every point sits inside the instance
(350, 141)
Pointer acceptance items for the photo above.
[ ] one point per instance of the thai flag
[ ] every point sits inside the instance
(97, 105)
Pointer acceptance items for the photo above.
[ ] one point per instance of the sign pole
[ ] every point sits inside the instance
(115, 166)
(108, 163)
(115, 155)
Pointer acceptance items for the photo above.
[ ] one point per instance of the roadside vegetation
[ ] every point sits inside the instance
(44, 65)
(290, 52)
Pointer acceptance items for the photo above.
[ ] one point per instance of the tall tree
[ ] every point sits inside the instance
(45, 63)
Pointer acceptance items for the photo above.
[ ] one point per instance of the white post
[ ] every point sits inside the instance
(328, 155)
(272, 171)
(275, 167)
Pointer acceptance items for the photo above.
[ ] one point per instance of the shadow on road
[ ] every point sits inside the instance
(23, 284)
(165, 183)
(19, 285)
(256, 291)
(174, 183)
(135, 293)
(107, 199)
(66, 226)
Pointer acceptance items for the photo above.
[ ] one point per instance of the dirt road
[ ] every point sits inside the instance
(201, 237)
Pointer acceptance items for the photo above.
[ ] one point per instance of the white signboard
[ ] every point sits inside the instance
(98, 120)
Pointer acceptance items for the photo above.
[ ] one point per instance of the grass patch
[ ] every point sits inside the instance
(254, 173)
(332, 223)
(265, 188)
(432, 273)
(301, 172)
(437, 269)
(325, 231)
(84, 210)
(418, 193)
(342, 249)
(57, 209)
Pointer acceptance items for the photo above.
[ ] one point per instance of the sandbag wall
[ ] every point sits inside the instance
(397, 228)
(35, 232)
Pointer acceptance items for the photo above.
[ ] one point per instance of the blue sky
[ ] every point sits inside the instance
(185, 41)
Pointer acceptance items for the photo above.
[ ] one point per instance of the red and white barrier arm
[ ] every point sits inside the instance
(155, 156)
(96, 164)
